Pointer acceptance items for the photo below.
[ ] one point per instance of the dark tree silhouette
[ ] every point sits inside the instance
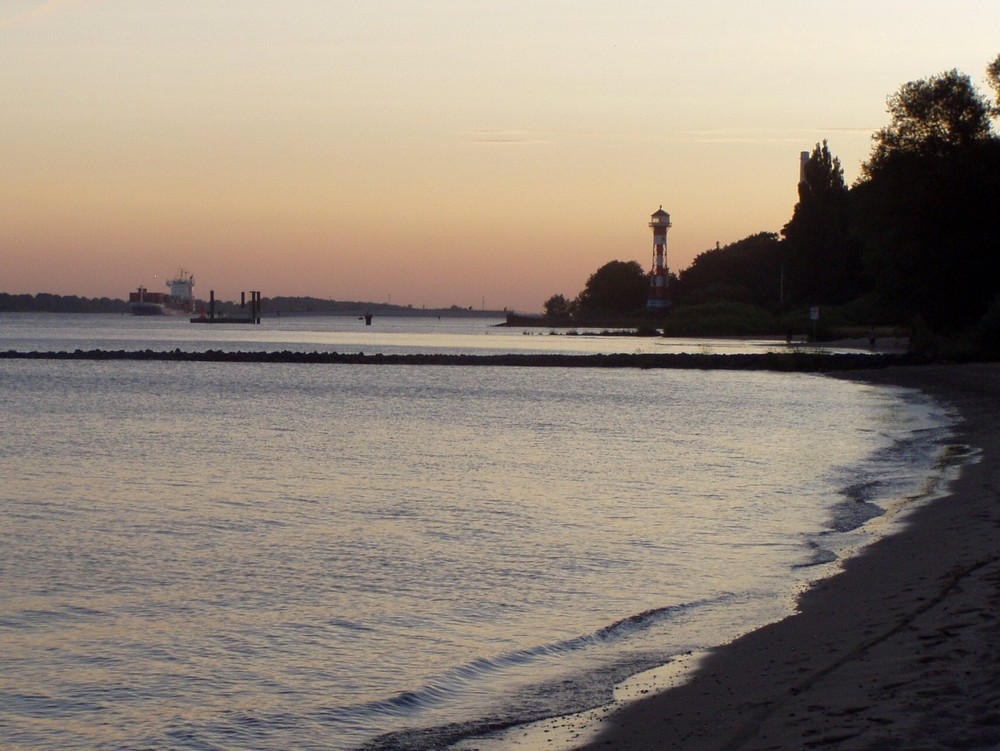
(557, 308)
(993, 76)
(927, 204)
(618, 287)
(915, 238)
(822, 261)
(746, 271)
(931, 118)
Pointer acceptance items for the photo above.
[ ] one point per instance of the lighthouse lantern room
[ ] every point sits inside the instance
(659, 297)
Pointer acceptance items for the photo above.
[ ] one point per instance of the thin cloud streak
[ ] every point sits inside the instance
(504, 138)
(41, 11)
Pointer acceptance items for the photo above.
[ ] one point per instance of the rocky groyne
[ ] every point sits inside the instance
(813, 362)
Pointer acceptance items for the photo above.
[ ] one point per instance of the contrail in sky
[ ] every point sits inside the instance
(39, 11)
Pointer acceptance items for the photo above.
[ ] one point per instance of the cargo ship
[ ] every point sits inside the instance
(179, 300)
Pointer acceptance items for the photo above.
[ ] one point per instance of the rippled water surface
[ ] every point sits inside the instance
(274, 556)
(46, 332)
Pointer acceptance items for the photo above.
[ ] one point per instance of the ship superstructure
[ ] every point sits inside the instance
(182, 291)
(180, 299)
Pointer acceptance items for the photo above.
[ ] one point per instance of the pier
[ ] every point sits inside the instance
(253, 314)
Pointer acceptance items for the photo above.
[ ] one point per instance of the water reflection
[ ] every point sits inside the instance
(346, 334)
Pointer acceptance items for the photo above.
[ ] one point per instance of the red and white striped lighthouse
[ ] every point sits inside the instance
(659, 296)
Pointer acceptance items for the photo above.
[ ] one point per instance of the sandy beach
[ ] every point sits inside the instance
(900, 650)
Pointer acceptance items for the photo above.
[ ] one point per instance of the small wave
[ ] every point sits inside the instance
(853, 514)
(551, 697)
(820, 556)
(909, 467)
(957, 454)
(348, 625)
(862, 492)
(48, 707)
(48, 618)
(461, 678)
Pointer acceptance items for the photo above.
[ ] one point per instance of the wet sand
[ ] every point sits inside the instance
(901, 650)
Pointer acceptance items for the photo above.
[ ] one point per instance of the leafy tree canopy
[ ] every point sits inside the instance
(932, 117)
(927, 203)
(993, 76)
(745, 271)
(618, 287)
(557, 308)
(823, 175)
(822, 260)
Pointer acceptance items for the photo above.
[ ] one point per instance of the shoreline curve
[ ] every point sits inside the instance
(898, 650)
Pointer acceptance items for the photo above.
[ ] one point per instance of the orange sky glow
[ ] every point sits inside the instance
(436, 153)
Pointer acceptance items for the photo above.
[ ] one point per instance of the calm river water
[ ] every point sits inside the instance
(275, 556)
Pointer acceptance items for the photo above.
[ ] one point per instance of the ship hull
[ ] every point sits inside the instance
(147, 309)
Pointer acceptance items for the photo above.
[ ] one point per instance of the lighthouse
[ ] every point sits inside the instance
(659, 297)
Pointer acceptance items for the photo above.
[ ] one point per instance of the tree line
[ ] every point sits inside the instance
(44, 302)
(913, 242)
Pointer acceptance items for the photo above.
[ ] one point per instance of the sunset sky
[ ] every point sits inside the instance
(429, 152)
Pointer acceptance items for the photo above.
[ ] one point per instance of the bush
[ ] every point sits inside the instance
(720, 319)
